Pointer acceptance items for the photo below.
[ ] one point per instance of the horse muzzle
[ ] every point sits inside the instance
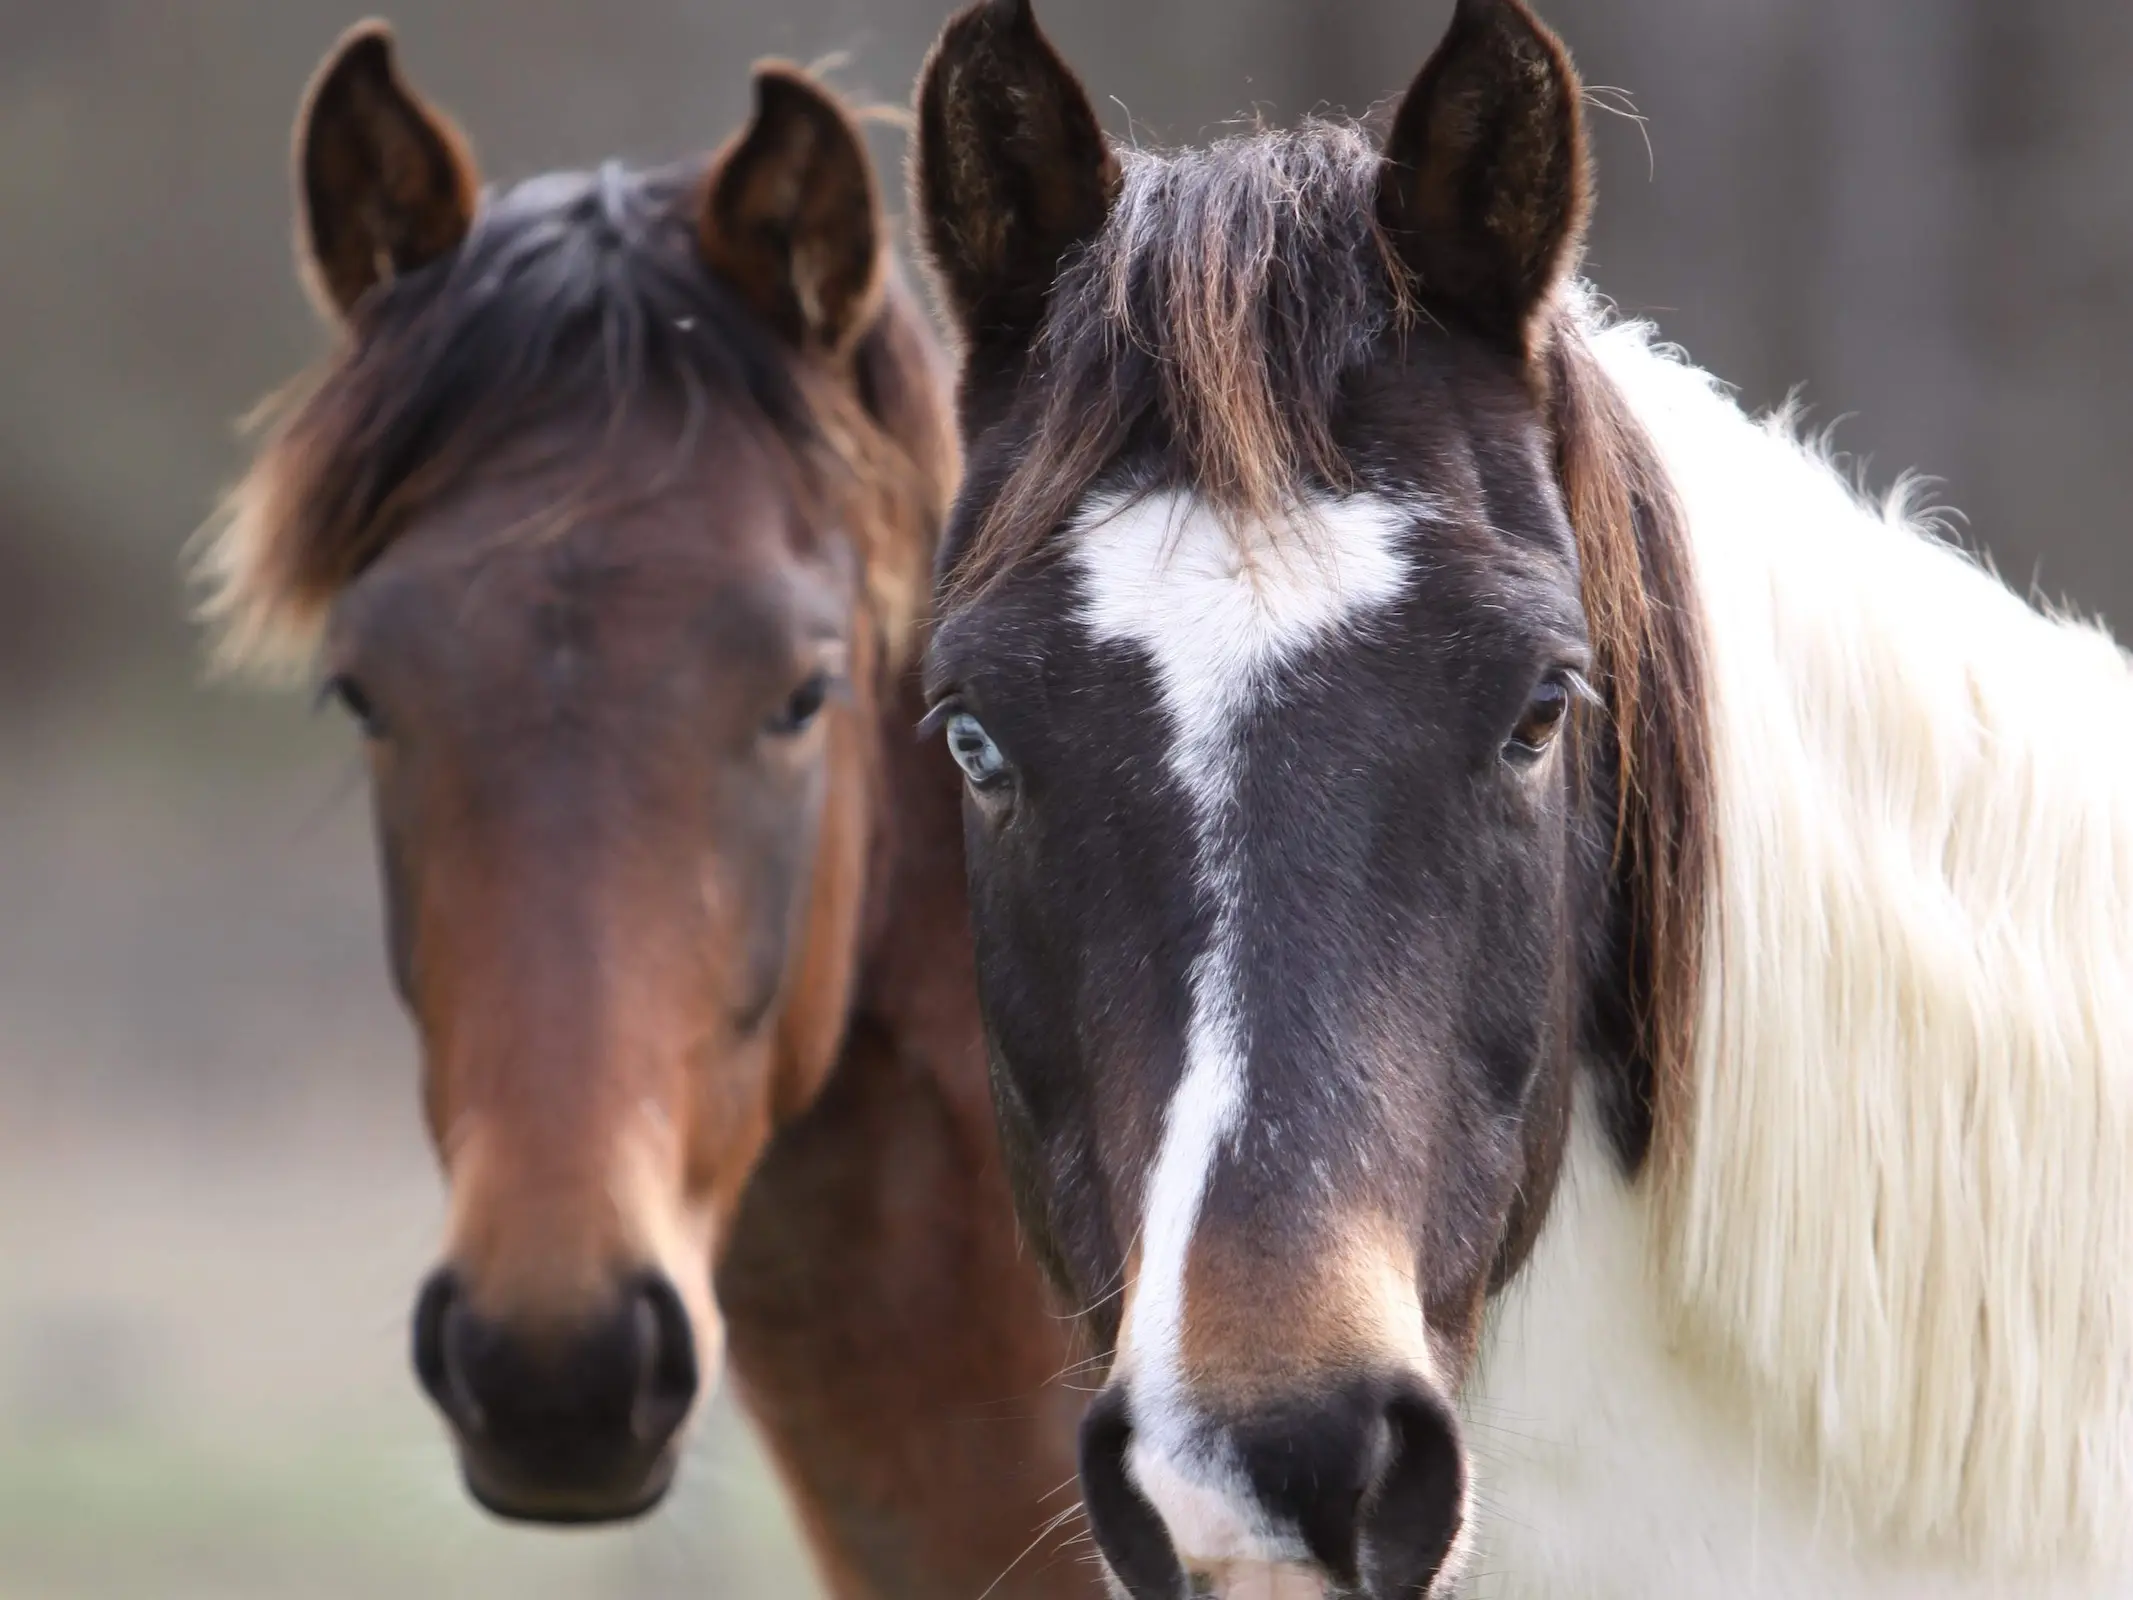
(572, 1423)
(1356, 1494)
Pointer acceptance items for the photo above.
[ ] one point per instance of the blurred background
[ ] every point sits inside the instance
(215, 1199)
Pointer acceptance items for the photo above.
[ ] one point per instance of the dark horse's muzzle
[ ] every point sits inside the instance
(1365, 1488)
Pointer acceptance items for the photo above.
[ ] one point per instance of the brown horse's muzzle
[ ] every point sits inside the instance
(569, 1422)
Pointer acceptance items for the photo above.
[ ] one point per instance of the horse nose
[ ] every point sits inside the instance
(1366, 1486)
(556, 1422)
(1374, 1484)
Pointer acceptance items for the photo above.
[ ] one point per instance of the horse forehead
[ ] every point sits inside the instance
(1217, 602)
(520, 572)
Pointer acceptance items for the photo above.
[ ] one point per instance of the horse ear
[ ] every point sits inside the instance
(790, 217)
(1485, 188)
(385, 183)
(1011, 169)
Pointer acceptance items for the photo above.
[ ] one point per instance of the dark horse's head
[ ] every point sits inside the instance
(606, 521)
(1308, 646)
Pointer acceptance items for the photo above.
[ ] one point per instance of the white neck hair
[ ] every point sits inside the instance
(1901, 1220)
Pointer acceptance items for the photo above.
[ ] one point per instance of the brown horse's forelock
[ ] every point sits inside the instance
(576, 298)
(1231, 293)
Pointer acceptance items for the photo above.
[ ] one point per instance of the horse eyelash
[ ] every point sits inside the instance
(936, 717)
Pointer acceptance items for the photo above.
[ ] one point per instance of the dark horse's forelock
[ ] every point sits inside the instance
(1213, 324)
(579, 295)
(1229, 294)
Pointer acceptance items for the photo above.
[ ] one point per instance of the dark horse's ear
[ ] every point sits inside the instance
(1010, 171)
(790, 217)
(385, 183)
(1484, 190)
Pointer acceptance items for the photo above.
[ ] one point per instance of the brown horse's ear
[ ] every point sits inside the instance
(790, 217)
(385, 183)
(1011, 169)
(1485, 186)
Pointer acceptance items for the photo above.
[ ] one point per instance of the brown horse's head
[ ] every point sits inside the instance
(606, 521)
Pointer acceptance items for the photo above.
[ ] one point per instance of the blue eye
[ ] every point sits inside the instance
(974, 751)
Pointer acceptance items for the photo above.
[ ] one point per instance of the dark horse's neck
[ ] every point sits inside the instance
(886, 1329)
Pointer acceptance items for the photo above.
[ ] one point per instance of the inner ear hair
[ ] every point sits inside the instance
(791, 218)
(1486, 184)
(1010, 168)
(385, 183)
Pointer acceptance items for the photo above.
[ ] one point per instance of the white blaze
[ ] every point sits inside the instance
(1219, 610)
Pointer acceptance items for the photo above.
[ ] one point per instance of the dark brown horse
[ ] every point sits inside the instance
(1561, 986)
(609, 521)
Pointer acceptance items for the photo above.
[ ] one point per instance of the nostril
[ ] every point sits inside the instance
(1369, 1477)
(1419, 1502)
(666, 1353)
(1312, 1463)
(1128, 1529)
(437, 1311)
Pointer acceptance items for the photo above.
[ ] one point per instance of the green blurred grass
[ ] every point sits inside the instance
(108, 1514)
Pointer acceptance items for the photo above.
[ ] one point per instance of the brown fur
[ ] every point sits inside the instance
(508, 531)
(887, 1328)
(341, 467)
(385, 182)
(1633, 553)
(1342, 1294)
(790, 214)
(1007, 144)
(1495, 113)
(312, 512)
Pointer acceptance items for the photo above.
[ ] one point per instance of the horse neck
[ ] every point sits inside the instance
(1914, 1063)
(915, 976)
(916, 983)
(887, 1329)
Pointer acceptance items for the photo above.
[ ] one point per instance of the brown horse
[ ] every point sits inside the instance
(609, 521)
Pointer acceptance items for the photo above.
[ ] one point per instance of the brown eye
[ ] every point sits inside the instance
(802, 706)
(1542, 719)
(345, 692)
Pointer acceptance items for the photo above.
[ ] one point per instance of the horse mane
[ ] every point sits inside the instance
(1637, 582)
(1897, 1213)
(575, 295)
(1221, 310)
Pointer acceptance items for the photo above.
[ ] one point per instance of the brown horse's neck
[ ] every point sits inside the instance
(886, 1329)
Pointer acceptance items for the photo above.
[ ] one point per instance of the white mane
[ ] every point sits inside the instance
(1902, 1220)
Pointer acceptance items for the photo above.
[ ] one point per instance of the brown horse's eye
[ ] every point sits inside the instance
(1543, 717)
(802, 706)
(346, 693)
